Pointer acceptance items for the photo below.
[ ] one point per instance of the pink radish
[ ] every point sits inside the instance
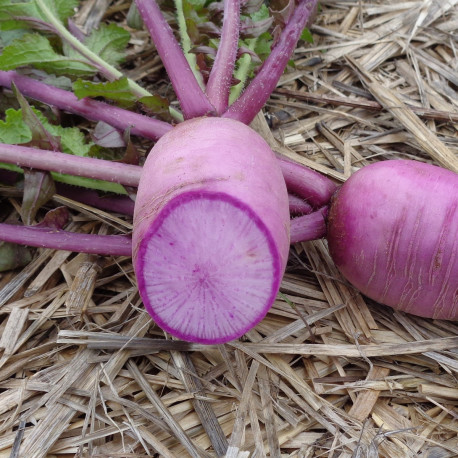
(211, 235)
(393, 233)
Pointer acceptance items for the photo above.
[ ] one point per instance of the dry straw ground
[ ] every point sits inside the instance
(328, 373)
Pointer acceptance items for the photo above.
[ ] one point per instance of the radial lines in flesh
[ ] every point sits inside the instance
(215, 279)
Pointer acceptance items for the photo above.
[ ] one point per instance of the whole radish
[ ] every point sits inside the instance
(393, 234)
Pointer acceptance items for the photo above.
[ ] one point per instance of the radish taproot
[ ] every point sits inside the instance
(393, 234)
(211, 230)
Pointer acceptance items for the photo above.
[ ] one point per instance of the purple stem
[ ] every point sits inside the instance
(118, 204)
(303, 228)
(255, 96)
(192, 99)
(305, 183)
(300, 180)
(220, 79)
(117, 172)
(309, 227)
(298, 206)
(90, 109)
(314, 188)
(110, 245)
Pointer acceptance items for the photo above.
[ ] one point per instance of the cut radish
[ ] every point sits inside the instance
(212, 224)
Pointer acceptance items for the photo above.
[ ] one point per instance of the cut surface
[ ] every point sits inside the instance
(208, 268)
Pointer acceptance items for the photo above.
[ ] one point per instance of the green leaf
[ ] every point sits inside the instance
(109, 42)
(263, 46)
(62, 9)
(261, 14)
(156, 104)
(7, 35)
(307, 35)
(41, 138)
(134, 19)
(197, 4)
(29, 49)
(13, 129)
(89, 183)
(9, 10)
(118, 90)
(72, 139)
(35, 49)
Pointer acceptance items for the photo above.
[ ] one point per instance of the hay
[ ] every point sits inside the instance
(328, 373)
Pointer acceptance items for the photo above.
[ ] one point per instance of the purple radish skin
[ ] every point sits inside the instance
(393, 234)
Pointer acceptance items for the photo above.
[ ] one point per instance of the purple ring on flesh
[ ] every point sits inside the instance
(143, 257)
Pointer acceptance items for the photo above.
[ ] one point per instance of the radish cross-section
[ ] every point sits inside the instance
(215, 269)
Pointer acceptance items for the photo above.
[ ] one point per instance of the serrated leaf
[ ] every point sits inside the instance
(13, 130)
(9, 10)
(41, 138)
(90, 183)
(76, 181)
(155, 104)
(13, 256)
(72, 139)
(28, 49)
(62, 9)
(261, 14)
(118, 90)
(35, 49)
(109, 42)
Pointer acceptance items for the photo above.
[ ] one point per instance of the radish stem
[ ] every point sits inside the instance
(255, 96)
(91, 109)
(110, 245)
(314, 188)
(298, 206)
(99, 169)
(309, 227)
(192, 99)
(186, 43)
(219, 81)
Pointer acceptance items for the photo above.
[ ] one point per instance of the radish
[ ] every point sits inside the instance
(393, 233)
(211, 230)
